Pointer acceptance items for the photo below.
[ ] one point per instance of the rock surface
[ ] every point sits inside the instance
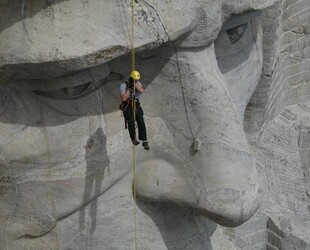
(233, 74)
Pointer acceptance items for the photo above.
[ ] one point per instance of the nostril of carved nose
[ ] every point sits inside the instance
(231, 207)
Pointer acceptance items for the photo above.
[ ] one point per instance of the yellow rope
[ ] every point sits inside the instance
(133, 67)
(135, 182)
(133, 63)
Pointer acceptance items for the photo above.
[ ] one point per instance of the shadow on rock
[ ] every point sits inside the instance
(180, 227)
(96, 163)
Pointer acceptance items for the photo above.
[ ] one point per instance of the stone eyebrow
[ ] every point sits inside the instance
(239, 19)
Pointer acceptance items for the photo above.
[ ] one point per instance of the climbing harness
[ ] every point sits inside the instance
(124, 104)
(122, 107)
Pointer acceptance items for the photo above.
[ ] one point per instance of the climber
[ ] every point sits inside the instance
(128, 95)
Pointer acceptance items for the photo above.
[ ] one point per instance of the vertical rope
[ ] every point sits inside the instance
(134, 180)
(178, 66)
(133, 63)
(133, 67)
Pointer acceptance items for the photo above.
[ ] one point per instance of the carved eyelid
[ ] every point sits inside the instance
(68, 81)
(76, 91)
(67, 92)
(239, 20)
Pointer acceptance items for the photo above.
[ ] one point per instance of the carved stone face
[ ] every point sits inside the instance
(63, 141)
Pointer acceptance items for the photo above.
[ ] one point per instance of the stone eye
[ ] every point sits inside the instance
(236, 33)
(76, 90)
(68, 92)
(73, 87)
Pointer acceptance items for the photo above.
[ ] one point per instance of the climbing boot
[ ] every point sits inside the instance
(146, 145)
(135, 142)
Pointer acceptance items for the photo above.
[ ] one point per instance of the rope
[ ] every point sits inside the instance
(133, 67)
(177, 64)
(133, 61)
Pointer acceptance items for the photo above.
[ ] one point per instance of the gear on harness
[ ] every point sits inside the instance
(123, 106)
(129, 86)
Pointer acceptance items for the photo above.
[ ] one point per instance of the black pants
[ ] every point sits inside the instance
(128, 114)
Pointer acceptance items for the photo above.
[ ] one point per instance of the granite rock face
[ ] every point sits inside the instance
(232, 74)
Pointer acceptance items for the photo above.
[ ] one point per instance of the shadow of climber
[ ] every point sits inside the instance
(96, 163)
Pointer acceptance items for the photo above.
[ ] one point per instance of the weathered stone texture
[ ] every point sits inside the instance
(233, 74)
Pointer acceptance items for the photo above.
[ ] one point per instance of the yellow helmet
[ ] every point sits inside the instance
(135, 75)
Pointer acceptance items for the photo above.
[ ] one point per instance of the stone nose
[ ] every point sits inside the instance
(222, 182)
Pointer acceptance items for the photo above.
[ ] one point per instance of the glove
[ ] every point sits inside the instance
(130, 90)
(131, 86)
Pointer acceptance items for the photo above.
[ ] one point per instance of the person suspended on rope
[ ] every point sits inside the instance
(130, 91)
